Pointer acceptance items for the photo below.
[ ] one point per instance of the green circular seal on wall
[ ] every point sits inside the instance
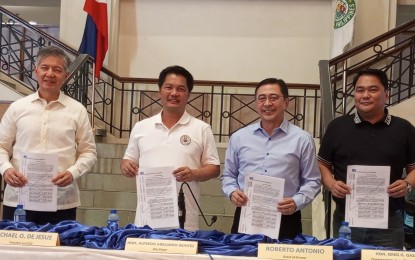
(345, 11)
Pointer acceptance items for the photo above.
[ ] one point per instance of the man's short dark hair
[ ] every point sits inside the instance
(380, 74)
(280, 82)
(54, 51)
(177, 70)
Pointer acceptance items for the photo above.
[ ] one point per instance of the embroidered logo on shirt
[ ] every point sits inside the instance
(185, 140)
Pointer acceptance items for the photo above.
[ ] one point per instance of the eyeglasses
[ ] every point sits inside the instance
(271, 98)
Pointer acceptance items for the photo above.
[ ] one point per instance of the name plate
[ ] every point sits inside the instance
(303, 252)
(161, 246)
(386, 255)
(25, 238)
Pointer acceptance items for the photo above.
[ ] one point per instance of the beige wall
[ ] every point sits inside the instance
(42, 15)
(373, 18)
(232, 40)
(217, 40)
(405, 110)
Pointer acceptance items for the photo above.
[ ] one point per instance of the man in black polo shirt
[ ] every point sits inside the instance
(370, 137)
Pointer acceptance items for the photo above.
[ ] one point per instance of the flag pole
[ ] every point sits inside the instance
(344, 85)
(93, 96)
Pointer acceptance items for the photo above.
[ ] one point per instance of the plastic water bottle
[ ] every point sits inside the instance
(113, 219)
(19, 214)
(345, 231)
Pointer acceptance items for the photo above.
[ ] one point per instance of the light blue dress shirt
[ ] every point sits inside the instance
(289, 153)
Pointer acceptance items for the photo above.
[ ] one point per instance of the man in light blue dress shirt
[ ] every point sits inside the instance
(273, 147)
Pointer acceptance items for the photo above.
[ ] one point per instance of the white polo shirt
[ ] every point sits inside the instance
(188, 143)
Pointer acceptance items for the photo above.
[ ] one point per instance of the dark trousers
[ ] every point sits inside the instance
(290, 224)
(393, 236)
(42, 217)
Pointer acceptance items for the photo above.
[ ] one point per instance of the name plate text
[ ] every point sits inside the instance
(25, 238)
(161, 246)
(302, 252)
(386, 255)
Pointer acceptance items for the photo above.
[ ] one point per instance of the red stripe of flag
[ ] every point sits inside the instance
(95, 39)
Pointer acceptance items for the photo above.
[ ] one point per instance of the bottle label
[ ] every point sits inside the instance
(345, 235)
(20, 218)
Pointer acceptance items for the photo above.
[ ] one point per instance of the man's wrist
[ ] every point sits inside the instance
(230, 195)
(331, 186)
(5, 166)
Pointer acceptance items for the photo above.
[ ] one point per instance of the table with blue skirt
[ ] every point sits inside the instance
(79, 241)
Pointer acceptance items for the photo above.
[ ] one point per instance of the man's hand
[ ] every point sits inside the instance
(14, 178)
(398, 189)
(238, 198)
(339, 189)
(287, 206)
(62, 179)
(129, 168)
(184, 174)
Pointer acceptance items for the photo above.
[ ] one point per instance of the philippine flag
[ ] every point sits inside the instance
(95, 39)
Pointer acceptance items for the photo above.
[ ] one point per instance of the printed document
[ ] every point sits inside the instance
(157, 198)
(368, 204)
(260, 215)
(39, 194)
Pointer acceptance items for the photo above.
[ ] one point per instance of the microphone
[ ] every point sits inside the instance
(182, 208)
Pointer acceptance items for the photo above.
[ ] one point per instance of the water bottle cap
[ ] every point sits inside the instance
(20, 206)
(345, 223)
(113, 211)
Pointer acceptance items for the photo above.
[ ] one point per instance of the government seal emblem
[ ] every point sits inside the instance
(345, 11)
(185, 140)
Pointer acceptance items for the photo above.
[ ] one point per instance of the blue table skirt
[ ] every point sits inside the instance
(72, 233)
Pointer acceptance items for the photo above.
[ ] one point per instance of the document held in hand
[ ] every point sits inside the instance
(368, 204)
(39, 194)
(157, 198)
(260, 215)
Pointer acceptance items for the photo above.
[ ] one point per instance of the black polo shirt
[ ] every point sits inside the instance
(351, 141)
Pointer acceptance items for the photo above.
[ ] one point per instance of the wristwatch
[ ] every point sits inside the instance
(408, 186)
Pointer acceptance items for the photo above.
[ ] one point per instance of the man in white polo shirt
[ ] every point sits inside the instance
(173, 137)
